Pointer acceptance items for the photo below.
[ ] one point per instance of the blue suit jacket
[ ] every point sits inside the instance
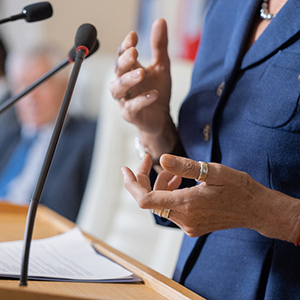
(255, 127)
(68, 174)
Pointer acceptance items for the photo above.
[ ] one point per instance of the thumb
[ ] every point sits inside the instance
(159, 43)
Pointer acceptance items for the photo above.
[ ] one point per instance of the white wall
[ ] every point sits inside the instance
(113, 19)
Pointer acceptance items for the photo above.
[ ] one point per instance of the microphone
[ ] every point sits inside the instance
(70, 59)
(85, 40)
(32, 13)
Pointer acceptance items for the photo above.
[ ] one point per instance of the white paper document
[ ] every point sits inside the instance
(65, 257)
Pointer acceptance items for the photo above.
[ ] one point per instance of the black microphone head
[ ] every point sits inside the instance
(95, 48)
(86, 36)
(37, 12)
(72, 53)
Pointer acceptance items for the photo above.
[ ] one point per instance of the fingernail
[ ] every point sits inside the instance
(169, 161)
(116, 65)
(135, 74)
(120, 50)
(151, 95)
(123, 171)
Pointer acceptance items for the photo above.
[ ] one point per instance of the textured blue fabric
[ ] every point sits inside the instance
(255, 127)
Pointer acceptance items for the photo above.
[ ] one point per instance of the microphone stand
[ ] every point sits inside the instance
(12, 18)
(15, 98)
(46, 165)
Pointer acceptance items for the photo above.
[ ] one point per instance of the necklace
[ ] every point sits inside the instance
(264, 11)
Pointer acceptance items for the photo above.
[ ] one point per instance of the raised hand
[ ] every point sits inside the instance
(144, 92)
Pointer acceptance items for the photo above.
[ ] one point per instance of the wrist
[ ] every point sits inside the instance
(164, 141)
(278, 216)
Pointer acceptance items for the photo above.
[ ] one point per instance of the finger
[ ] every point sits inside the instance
(217, 174)
(162, 180)
(174, 183)
(180, 166)
(145, 165)
(120, 86)
(126, 61)
(130, 40)
(141, 101)
(134, 187)
(159, 43)
(151, 200)
(143, 171)
(167, 181)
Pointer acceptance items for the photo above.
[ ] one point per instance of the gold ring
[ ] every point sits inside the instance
(164, 213)
(203, 171)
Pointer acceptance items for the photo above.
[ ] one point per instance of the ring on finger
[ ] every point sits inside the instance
(203, 171)
(164, 213)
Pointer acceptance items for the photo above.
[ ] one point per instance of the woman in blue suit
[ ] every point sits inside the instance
(242, 116)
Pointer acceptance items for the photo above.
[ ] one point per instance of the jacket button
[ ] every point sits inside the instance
(206, 132)
(220, 89)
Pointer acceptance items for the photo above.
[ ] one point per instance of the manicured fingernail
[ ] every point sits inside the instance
(116, 65)
(120, 50)
(151, 95)
(135, 74)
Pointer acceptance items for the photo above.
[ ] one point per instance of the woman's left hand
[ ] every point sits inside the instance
(227, 199)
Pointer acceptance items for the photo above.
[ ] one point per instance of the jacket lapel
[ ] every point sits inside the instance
(246, 11)
(281, 29)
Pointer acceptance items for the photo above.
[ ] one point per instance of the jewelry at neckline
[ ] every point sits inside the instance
(264, 11)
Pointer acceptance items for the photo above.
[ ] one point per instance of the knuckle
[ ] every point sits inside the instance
(189, 167)
(247, 179)
(126, 116)
(112, 89)
(186, 209)
(143, 202)
(190, 232)
(129, 55)
(218, 169)
(127, 184)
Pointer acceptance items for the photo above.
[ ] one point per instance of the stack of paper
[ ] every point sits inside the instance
(66, 257)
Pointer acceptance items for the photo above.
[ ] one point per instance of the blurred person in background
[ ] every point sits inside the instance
(8, 117)
(23, 149)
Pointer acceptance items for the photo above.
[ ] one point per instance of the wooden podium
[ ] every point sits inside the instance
(154, 286)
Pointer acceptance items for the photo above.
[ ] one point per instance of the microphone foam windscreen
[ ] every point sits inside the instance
(38, 11)
(86, 36)
(72, 53)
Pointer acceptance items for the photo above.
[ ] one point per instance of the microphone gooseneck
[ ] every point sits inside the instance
(32, 13)
(80, 56)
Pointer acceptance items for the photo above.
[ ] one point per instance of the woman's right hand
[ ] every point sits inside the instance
(144, 93)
